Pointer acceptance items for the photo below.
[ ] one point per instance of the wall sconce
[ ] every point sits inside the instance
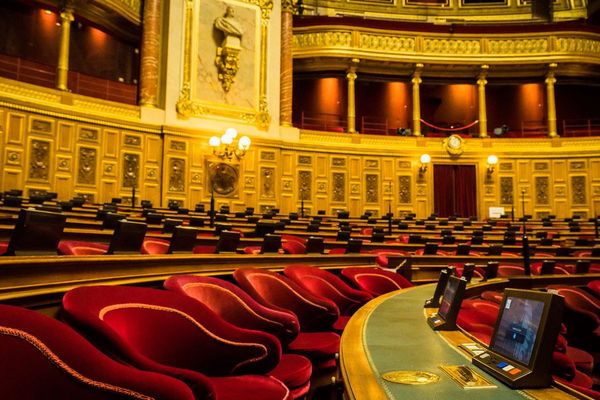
(425, 160)
(225, 149)
(491, 164)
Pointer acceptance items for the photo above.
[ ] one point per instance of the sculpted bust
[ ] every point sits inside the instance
(228, 25)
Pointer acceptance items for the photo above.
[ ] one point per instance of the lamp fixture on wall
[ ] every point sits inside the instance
(425, 160)
(492, 160)
(224, 148)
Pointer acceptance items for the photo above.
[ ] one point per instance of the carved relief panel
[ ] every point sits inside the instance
(268, 182)
(305, 185)
(131, 170)
(404, 192)
(40, 159)
(339, 187)
(578, 192)
(86, 173)
(506, 190)
(372, 185)
(176, 175)
(541, 190)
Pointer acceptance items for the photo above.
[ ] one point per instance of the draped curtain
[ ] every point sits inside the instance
(455, 190)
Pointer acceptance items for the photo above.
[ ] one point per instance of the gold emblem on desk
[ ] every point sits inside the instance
(411, 377)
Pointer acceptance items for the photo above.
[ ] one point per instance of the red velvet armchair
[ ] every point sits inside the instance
(165, 332)
(375, 281)
(43, 358)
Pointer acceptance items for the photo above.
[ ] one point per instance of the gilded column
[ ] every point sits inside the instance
(481, 82)
(550, 81)
(416, 99)
(150, 59)
(62, 70)
(286, 77)
(351, 78)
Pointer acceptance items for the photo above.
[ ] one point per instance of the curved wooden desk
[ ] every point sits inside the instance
(391, 333)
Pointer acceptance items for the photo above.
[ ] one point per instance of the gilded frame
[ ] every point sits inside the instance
(187, 106)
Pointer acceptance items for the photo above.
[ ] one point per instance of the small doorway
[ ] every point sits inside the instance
(455, 190)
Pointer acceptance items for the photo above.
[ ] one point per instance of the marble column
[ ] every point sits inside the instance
(551, 103)
(416, 100)
(351, 78)
(286, 67)
(150, 58)
(62, 70)
(481, 82)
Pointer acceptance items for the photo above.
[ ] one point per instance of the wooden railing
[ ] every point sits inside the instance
(322, 122)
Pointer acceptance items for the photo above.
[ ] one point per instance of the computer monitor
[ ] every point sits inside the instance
(491, 270)
(228, 242)
(547, 267)
(463, 249)
(477, 240)
(315, 245)
(521, 347)
(434, 301)
(342, 236)
(430, 249)
(494, 250)
(445, 319)
(354, 245)
(582, 266)
(183, 240)
(271, 243)
(378, 237)
(468, 271)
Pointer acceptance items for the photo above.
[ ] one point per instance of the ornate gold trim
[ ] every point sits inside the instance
(188, 107)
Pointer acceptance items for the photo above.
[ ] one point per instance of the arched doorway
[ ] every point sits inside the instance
(455, 190)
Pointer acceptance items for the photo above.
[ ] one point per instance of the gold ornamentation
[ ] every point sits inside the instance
(130, 9)
(506, 190)
(540, 166)
(401, 44)
(404, 192)
(19, 90)
(372, 164)
(289, 6)
(305, 183)
(575, 165)
(267, 156)
(86, 174)
(404, 165)
(453, 144)
(519, 46)
(578, 190)
(176, 175)
(132, 140)
(13, 157)
(451, 46)
(505, 166)
(249, 182)
(268, 183)
(108, 108)
(355, 188)
(372, 183)
(88, 134)
(178, 145)
(287, 184)
(305, 160)
(323, 39)
(339, 186)
(131, 170)
(152, 173)
(541, 189)
(338, 162)
(223, 178)
(40, 159)
(63, 164)
(228, 64)
(321, 187)
(411, 377)
(41, 126)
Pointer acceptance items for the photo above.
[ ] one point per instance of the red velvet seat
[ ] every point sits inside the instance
(493, 296)
(510, 270)
(325, 284)
(128, 238)
(155, 246)
(382, 258)
(81, 248)
(375, 281)
(293, 247)
(205, 249)
(3, 248)
(594, 287)
(236, 307)
(43, 358)
(172, 334)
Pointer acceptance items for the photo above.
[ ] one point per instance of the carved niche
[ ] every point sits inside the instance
(339, 186)
(506, 190)
(40, 159)
(176, 175)
(131, 169)
(372, 190)
(268, 182)
(541, 190)
(304, 178)
(86, 174)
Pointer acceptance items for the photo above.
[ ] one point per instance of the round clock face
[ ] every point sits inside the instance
(454, 145)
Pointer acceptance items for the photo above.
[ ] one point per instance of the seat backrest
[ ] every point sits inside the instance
(315, 245)
(127, 237)
(510, 270)
(183, 240)
(277, 291)
(155, 329)
(235, 306)
(271, 243)
(354, 245)
(228, 242)
(375, 281)
(325, 284)
(109, 219)
(42, 356)
(169, 224)
(36, 233)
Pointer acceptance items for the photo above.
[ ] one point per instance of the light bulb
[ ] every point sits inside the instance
(232, 132)
(425, 159)
(214, 141)
(226, 139)
(492, 160)
(244, 143)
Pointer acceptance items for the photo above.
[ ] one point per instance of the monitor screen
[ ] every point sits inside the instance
(441, 285)
(449, 295)
(517, 328)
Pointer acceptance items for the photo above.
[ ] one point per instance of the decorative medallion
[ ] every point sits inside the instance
(223, 178)
(86, 174)
(63, 164)
(411, 377)
(339, 186)
(13, 157)
(249, 182)
(321, 187)
(176, 175)
(355, 188)
(454, 145)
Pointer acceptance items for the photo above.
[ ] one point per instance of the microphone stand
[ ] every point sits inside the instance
(390, 211)
(301, 203)
(212, 207)
(525, 240)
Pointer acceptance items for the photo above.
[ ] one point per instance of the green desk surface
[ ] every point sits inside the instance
(394, 335)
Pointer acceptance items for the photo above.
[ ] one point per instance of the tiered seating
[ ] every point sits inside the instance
(376, 281)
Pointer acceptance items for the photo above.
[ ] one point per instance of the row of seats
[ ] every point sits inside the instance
(202, 338)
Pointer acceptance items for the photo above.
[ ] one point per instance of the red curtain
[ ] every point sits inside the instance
(455, 190)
